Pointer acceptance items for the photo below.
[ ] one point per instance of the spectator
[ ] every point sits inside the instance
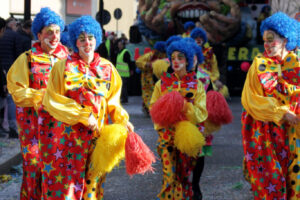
(2, 77)
(26, 35)
(125, 67)
(10, 49)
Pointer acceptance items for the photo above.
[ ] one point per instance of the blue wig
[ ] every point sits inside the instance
(64, 38)
(284, 26)
(184, 48)
(199, 32)
(197, 48)
(44, 18)
(188, 25)
(298, 32)
(160, 46)
(84, 24)
(172, 39)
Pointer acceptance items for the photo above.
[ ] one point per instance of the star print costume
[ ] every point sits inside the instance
(271, 146)
(26, 82)
(176, 165)
(75, 91)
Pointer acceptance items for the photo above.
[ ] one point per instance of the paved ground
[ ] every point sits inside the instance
(222, 178)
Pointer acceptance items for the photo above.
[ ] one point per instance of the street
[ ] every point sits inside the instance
(222, 178)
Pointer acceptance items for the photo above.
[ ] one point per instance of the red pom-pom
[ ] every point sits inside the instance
(245, 66)
(218, 110)
(138, 156)
(167, 110)
(147, 50)
(136, 53)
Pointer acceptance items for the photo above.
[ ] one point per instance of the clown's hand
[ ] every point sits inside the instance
(130, 127)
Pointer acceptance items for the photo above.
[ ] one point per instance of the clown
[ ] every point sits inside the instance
(188, 27)
(177, 165)
(144, 63)
(83, 91)
(210, 65)
(270, 125)
(26, 82)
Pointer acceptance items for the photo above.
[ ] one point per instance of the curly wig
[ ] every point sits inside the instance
(87, 25)
(284, 26)
(188, 25)
(160, 46)
(64, 38)
(185, 48)
(44, 18)
(199, 32)
(197, 48)
(171, 39)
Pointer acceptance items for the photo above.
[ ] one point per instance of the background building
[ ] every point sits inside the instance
(71, 9)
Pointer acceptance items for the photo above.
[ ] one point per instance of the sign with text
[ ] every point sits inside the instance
(243, 53)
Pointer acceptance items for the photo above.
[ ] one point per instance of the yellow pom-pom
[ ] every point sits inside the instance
(109, 149)
(188, 139)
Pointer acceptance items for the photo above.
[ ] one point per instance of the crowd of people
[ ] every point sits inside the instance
(64, 96)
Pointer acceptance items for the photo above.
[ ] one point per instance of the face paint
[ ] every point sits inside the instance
(178, 61)
(273, 43)
(49, 37)
(86, 44)
(199, 41)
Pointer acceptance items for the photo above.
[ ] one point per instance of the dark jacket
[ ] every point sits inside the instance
(25, 40)
(10, 48)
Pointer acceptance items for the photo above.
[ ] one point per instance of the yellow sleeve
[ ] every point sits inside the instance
(159, 67)
(214, 74)
(117, 113)
(143, 60)
(18, 84)
(58, 105)
(155, 96)
(256, 104)
(197, 113)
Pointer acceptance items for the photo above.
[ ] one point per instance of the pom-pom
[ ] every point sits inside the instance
(136, 53)
(109, 149)
(147, 50)
(245, 66)
(188, 139)
(168, 109)
(138, 156)
(218, 110)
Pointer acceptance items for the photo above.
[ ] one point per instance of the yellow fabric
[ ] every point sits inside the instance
(69, 111)
(109, 149)
(188, 139)
(146, 77)
(159, 67)
(210, 128)
(196, 113)
(213, 73)
(259, 106)
(18, 84)
(143, 60)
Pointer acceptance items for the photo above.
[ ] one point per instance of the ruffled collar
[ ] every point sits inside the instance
(60, 51)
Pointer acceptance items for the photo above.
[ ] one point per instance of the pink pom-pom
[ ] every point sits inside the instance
(245, 66)
(218, 110)
(138, 156)
(167, 110)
